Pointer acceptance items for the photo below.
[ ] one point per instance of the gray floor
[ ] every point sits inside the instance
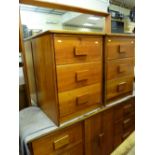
(132, 151)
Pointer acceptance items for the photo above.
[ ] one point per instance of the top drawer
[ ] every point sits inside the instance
(75, 49)
(118, 48)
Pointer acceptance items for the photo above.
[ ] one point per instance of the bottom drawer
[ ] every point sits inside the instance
(67, 140)
(78, 99)
(119, 87)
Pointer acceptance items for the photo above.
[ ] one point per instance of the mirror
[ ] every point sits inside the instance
(38, 19)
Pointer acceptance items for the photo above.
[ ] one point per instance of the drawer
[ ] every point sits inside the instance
(119, 68)
(128, 109)
(128, 123)
(61, 141)
(75, 49)
(78, 99)
(126, 133)
(78, 75)
(118, 48)
(119, 87)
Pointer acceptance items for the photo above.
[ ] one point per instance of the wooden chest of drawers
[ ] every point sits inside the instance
(119, 59)
(68, 73)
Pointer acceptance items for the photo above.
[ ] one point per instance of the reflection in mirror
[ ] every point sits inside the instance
(37, 19)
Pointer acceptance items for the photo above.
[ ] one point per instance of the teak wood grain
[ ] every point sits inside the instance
(119, 65)
(45, 74)
(71, 101)
(119, 86)
(119, 47)
(65, 141)
(114, 51)
(30, 71)
(63, 90)
(99, 134)
(92, 131)
(123, 121)
(77, 150)
(107, 123)
(120, 68)
(78, 75)
(77, 49)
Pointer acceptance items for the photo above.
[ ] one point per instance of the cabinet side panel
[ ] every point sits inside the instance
(30, 71)
(44, 64)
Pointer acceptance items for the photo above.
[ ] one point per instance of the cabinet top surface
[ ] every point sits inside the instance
(79, 33)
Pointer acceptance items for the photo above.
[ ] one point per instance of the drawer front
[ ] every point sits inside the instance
(119, 48)
(119, 68)
(78, 75)
(77, 99)
(59, 142)
(77, 150)
(76, 49)
(119, 87)
(128, 109)
(128, 123)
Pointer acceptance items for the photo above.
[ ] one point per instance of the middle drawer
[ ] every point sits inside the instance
(78, 75)
(119, 68)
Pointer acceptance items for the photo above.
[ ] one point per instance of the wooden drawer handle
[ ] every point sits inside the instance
(126, 121)
(82, 99)
(101, 138)
(122, 49)
(81, 75)
(127, 106)
(121, 86)
(121, 68)
(80, 51)
(61, 142)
